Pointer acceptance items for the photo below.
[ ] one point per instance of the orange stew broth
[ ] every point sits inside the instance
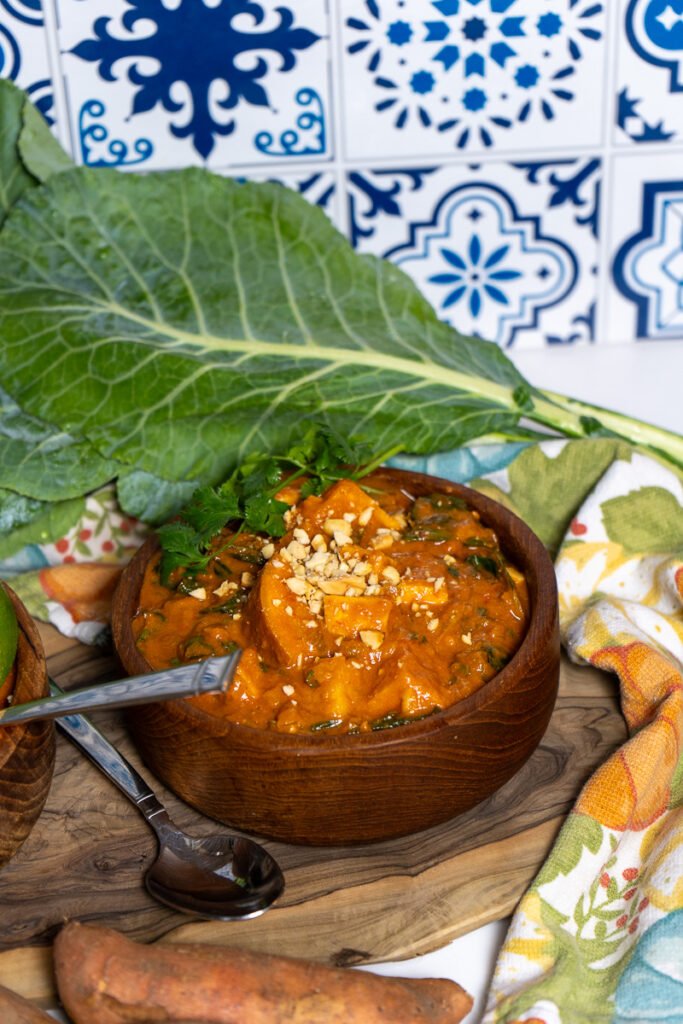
(374, 609)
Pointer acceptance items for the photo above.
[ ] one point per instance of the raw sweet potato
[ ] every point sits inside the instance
(15, 1009)
(106, 978)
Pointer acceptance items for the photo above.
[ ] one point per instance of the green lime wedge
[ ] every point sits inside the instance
(9, 634)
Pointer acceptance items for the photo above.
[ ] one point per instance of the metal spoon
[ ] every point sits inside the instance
(224, 877)
(209, 676)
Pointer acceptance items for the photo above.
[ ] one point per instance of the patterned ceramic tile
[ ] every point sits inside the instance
(646, 298)
(167, 84)
(650, 72)
(24, 52)
(442, 76)
(507, 251)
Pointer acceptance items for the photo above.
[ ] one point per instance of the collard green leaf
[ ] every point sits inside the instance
(181, 320)
(149, 498)
(17, 510)
(15, 179)
(43, 462)
(51, 522)
(40, 152)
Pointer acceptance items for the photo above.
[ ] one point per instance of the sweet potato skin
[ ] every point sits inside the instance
(15, 1009)
(105, 978)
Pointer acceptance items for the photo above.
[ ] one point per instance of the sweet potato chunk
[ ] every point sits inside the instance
(280, 619)
(105, 978)
(348, 615)
(421, 592)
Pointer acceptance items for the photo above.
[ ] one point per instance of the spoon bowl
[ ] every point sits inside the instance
(223, 877)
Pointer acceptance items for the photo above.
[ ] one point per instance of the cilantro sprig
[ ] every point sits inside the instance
(248, 500)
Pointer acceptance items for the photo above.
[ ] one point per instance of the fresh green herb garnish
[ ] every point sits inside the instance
(331, 723)
(483, 562)
(442, 501)
(453, 570)
(496, 658)
(394, 719)
(247, 499)
(310, 680)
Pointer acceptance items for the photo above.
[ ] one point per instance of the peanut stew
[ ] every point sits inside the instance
(375, 608)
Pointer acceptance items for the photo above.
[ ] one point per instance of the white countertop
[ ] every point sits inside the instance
(644, 380)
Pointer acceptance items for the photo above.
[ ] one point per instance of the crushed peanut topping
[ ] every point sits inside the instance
(226, 587)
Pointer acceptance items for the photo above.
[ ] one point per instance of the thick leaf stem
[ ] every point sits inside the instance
(582, 419)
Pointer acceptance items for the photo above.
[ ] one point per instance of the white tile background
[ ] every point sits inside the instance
(564, 118)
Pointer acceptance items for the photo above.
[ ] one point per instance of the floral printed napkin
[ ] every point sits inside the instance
(599, 935)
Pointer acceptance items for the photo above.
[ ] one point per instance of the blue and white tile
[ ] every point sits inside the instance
(506, 251)
(649, 101)
(224, 83)
(24, 53)
(646, 207)
(468, 76)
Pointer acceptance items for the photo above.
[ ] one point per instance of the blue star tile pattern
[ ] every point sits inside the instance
(490, 251)
(467, 74)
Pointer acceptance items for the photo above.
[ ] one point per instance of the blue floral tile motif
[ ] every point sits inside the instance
(500, 287)
(475, 74)
(487, 245)
(655, 31)
(201, 68)
(648, 267)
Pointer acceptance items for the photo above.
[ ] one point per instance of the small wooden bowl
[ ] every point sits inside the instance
(340, 790)
(27, 751)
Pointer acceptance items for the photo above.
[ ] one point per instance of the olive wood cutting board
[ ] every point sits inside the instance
(87, 855)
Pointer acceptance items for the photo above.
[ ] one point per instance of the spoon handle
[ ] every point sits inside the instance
(209, 676)
(83, 733)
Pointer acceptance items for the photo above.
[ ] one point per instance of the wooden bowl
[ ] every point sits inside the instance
(27, 751)
(339, 790)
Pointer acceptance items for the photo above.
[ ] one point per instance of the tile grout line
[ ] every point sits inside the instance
(604, 276)
(338, 113)
(62, 119)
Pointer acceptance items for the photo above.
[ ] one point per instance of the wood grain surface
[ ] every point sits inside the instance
(87, 855)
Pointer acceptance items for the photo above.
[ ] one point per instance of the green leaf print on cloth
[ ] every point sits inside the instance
(649, 519)
(547, 482)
